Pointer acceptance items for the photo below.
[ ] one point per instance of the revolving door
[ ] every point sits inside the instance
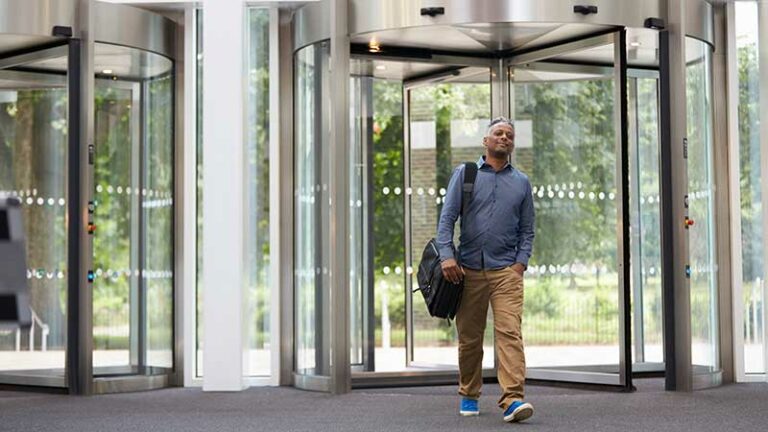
(586, 102)
(88, 149)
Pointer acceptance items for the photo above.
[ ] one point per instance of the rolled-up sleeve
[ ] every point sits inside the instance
(526, 228)
(449, 214)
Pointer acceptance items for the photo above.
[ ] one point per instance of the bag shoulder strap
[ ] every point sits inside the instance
(470, 174)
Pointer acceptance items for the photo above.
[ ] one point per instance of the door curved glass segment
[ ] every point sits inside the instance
(133, 245)
(567, 142)
(311, 213)
(34, 168)
(701, 198)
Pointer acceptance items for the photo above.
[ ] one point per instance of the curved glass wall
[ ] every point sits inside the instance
(701, 196)
(311, 211)
(133, 244)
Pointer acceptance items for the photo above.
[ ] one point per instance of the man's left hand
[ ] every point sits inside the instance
(519, 268)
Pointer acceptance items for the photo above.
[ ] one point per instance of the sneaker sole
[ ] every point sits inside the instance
(521, 413)
(469, 413)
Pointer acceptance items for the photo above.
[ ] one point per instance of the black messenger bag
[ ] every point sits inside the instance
(443, 297)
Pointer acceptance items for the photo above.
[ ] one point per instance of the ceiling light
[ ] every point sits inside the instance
(107, 71)
(373, 46)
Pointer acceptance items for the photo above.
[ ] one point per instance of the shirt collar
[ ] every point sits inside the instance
(481, 162)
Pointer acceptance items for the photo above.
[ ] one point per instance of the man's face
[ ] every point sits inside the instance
(500, 140)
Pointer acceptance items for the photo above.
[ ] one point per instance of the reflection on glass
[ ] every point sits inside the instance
(704, 320)
(753, 273)
(311, 210)
(565, 143)
(447, 124)
(645, 220)
(33, 167)
(257, 190)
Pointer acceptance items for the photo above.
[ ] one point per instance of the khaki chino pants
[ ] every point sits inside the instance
(503, 289)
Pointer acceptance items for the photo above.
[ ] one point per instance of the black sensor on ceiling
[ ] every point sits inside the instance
(654, 23)
(432, 11)
(585, 9)
(62, 31)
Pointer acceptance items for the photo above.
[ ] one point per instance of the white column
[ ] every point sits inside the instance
(223, 195)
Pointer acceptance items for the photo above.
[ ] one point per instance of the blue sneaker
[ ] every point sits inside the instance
(469, 407)
(518, 411)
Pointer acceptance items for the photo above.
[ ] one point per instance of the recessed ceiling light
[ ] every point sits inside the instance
(373, 46)
(107, 71)
(381, 67)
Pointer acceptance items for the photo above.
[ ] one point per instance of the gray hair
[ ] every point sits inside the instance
(499, 120)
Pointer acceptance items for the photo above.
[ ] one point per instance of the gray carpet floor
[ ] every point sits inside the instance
(740, 407)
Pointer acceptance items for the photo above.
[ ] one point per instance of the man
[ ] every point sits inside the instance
(496, 242)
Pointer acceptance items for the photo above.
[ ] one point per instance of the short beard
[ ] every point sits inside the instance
(498, 154)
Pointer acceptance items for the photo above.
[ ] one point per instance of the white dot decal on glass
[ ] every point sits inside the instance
(30, 200)
(592, 196)
(437, 200)
(551, 194)
(34, 192)
(562, 186)
(408, 191)
(571, 185)
(601, 195)
(557, 187)
(409, 270)
(582, 195)
(385, 190)
(571, 195)
(642, 200)
(359, 203)
(386, 270)
(128, 190)
(60, 274)
(442, 191)
(560, 194)
(51, 201)
(397, 191)
(151, 192)
(62, 201)
(40, 201)
(110, 189)
(99, 272)
(398, 270)
(420, 191)
(541, 193)
(120, 190)
(29, 193)
(611, 195)
(579, 185)
(535, 189)
(143, 192)
(431, 191)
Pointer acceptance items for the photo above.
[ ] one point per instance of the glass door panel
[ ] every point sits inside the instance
(34, 168)
(566, 112)
(701, 196)
(447, 119)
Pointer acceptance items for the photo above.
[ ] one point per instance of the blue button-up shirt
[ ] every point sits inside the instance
(498, 230)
